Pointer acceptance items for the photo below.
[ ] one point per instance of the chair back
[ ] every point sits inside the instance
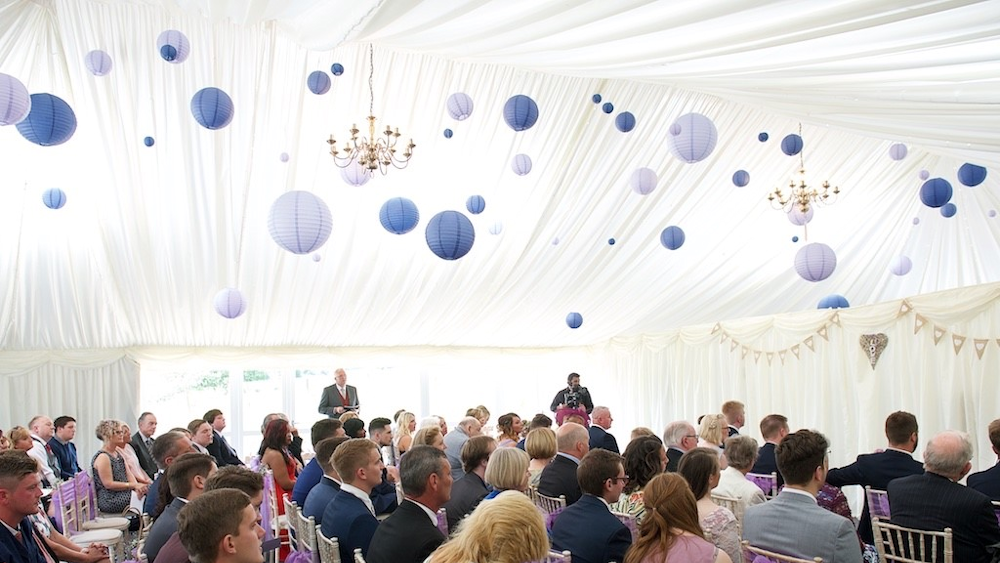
(305, 528)
(768, 482)
(630, 523)
(878, 503)
(442, 521)
(329, 548)
(896, 544)
(558, 557)
(735, 506)
(358, 557)
(548, 505)
(292, 521)
(269, 508)
(64, 505)
(86, 497)
(753, 554)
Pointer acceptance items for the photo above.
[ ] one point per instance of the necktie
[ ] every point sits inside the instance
(42, 548)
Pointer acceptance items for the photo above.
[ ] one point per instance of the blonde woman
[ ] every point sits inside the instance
(406, 425)
(541, 447)
(712, 431)
(508, 529)
(429, 436)
(507, 470)
(113, 480)
(132, 459)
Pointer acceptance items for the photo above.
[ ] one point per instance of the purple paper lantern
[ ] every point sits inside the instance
(971, 175)
(833, 301)
(897, 151)
(935, 192)
(355, 174)
(900, 265)
(574, 320)
(791, 144)
(520, 112)
(625, 121)
(230, 303)
(797, 217)
(54, 198)
(450, 235)
(521, 164)
(924, 174)
(672, 237)
(50, 122)
(692, 137)
(459, 106)
(173, 46)
(318, 82)
(741, 178)
(643, 181)
(98, 62)
(15, 103)
(212, 108)
(815, 261)
(299, 222)
(949, 210)
(399, 215)
(475, 204)
(992, 213)
(283, 157)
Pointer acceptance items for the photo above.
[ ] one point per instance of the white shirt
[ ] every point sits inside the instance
(360, 494)
(800, 492)
(38, 452)
(734, 484)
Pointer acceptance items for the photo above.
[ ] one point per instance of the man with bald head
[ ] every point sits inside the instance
(42, 430)
(559, 477)
(599, 435)
(935, 500)
(339, 397)
(454, 440)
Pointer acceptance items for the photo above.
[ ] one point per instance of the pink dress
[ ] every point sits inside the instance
(686, 549)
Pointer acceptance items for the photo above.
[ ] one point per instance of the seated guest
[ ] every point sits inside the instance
(295, 448)
(113, 481)
(541, 448)
(186, 478)
(166, 449)
(454, 440)
(712, 432)
(350, 516)
(313, 472)
(480, 413)
(221, 526)
(201, 435)
(380, 432)
(599, 436)
(878, 469)
(467, 492)
(741, 453)
(64, 548)
(220, 449)
(559, 478)
(274, 455)
(42, 430)
(406, 425)
(792, 523)
(576, 416)
(62, 446)
(774, 428)
(735, 418)
(508, 529)
(671, 532)
(384, 496)
(645, 458)
(935, 500)
(411, 534)
(507, 470)
(640, 431)
(988, 481)
(142, 444)
(700, 467)
(329, 484)
(510, 430)
(538, 421)
(20, 491)
(587, 528)
(429, 436)
(679, 437)
(132, 460)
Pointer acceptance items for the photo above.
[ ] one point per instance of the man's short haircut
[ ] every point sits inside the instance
(168, 445)
(417, 466)
(62, 421)
(799, 454)
(14, 466)
(353, 426)
(476, 450)
(569, 378)
(731, 408)
(541, 443)
(206, 520)
(676, 431)
(772, 424)
(994, 430)
(324, 428)
(195, 424)
(236, 477)
(269, 417)
(210, 416)
(569, 435)
(899, 426)
(697, 467)
(595, 468)
(540, 421)
(379, 425)
(741, 451)
(34, 419)
(143, 416)
(352, 455)
(183, 470)
(941, 455)
(325, 449)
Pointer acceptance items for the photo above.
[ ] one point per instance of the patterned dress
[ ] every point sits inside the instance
(108, 501)
(720, 528)
(631, 504)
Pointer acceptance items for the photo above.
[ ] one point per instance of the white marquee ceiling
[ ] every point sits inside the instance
(149, 235)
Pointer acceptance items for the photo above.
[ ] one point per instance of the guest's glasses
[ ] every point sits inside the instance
(624, 479)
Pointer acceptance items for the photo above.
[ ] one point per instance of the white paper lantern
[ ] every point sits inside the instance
(15, 102)
(643, 181)
(521, 164)
(98, 62)
(300, 222)
(692, 137)
(355, 174)
(230, 303)
(797, 217)
(901, 265)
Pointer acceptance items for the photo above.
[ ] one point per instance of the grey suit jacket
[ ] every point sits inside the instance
(793, 524)
(330, 400)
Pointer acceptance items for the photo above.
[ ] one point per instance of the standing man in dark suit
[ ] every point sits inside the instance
(588, 529)
(988, 481)
(735, 414)
(411, 534)
(876, 470)
(934, 500)
(350, 516)
(142, 443)
(339, 398)
(774, 428)
(573, 396)
(470, 489)
(679, 437)
(186, 476)
(220, 449)
(20, 490)
(599, 436)
(559, 477)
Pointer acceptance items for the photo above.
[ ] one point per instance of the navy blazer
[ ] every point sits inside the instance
(590, 532)
(146, 460)
(933, 502)
(65, 454)
(874, 470)
(674, 455)
(559, 478)
(14, 551)
(986, 482)
(349, 520)
(767, 463)
(408, 536)
(163, 527)
(466, 494)
(149, 503)
(319, 497)
(223, 453)
(309, 478)
(599, 438)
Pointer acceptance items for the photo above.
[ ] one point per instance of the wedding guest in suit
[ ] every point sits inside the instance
(142, 443)
(878, 469)
(221, 526)
(201, 435)
(774, 428)
(20, 491)
(735, 417)
(313, 472)
(339, 397)
(186, 477)
(166, 449)
(559, 478)
(599, 435)
(411, 534)
(42, 430)
(383, 495)
(467, 492)
(507, 529)
(61, 444)
(350, 516)
(329, 484)
(220, 449)
(587, 528)
(793, 523)
(935, 500)
(679, 437)
(741, 453)
(454, 440)
(988, 481)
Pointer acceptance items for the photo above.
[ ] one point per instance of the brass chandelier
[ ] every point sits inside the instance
(371, 153)
(800, 194)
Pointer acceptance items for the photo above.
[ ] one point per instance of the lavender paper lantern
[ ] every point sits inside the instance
(815, 261)
(283, 157)
(173, 46)
(299, 222)
(692, 137)
(643, 181)
(924, 174)
(971, 175)
(672, 237)
(459, 106)
(520, 112)
(992, 213)
(98, 62)
(574, 320)
(15, 103)
(949, 210)
(355, 174)
(399, 215)
(475, 204)
(521, 164)
(741, 178)
(212, 108)
(791, 144)
(54, 198)
(230, 303)
(900, 265)
(450, 235)
(897, 151)
(625, 121)
(833, 301)
(317, 257)
(797, 217)
(935, 192)
(50, 122)
(318, 82)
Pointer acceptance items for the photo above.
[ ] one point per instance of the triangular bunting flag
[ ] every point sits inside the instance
(745, 352)
(716, 328)
(904, 308)
(980, 344)
(957, 341)
(809, 342)
(756, 356)
(770, 356)
(835, 319)
(733, 344)
(724, 338)
(822, 332)
(781, 356)
(938, 333)
(795, 350)
(918, 323)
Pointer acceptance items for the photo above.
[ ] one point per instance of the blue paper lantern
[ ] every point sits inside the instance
(833, 301)
(791, 144)
(949, 210)
(672, 237)
(399, 215)
(795, 238)
(741, 178)
(897, 151)
(611, 242)
(971, 175)
(520, 112)
(98, 62)
(935, 192)
(596, 98)
(173, 46)
(692, 137)
(448, 133)
(815, 261)
(608, 107)
(900, 265)
(355, 174)
(762, 137)
(643, 181)
(212, 108)
(475, 204)
(299, 222)
(459, 106)
(54, 198)
(625, 121)
(15, 103)
(450, 235)
(318, 82)
(50, 122)
(521, 164)
(337, 69)
(230, 303)
(149, 141)
(574, 320)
